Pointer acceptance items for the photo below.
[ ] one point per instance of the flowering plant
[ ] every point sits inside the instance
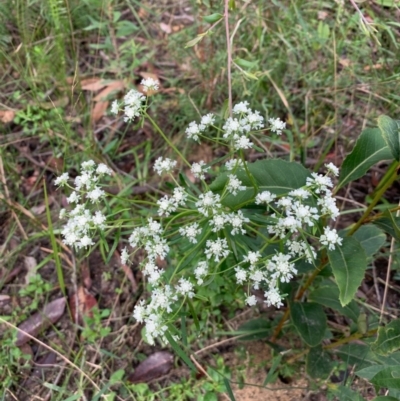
(244, 226)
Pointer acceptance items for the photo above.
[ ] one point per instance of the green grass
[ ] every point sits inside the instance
(316, 69)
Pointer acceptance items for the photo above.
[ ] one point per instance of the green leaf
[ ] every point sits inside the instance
(391, 134)
(272, 373)
(328, 295)
(388, 339)
(211, 19)
(390, 224)
(371, 238)
(241, 62)
(385, 398)
(348, 264)
(194, 41)
(274, 175)
(369, 149)
(310, 321)
(356, 354)
(319, 364)
(369, 372)
(388, 377)
(387, 3)
(179, 351)
(256, 329)
(347, 394)
(117, 376)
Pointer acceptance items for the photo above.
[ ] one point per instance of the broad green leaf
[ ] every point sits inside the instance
(388, 377)
(211, 19)
(195, 40)
(241, 62)
(348, 264)
(356, 354)
(369, 372)
(387, 3)
(329, 297)
(310, 321)
(391, 134)
(256, 329)
(369, 149)
(371, 238)
(274, 175)
(385, 398)
(319, 364)
(390, 224)
(388, 339)
(347, 394)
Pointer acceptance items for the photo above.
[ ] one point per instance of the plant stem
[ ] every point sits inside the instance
(229, 54)
(388, 180)
(166, 139)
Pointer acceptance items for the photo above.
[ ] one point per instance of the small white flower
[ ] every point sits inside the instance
(332, 169)
(218, 221)
(179, 196)
(61, 180)
(241, 275)
(232, 126)
(164, 165)
(206, 120)
(300, 193)
(330, 238)
(281, 268)
(99, 219)
(166, 206)
(217, 248)
(88, 165)
(191, 232)
(257, 275)
(277, 125)
(320, 183)
(95, 194)
(273, 297)
(140, 312)
(233, 164)
(265, 197)
(234, 185)
(114, 107)
(237, 220)
(328, 206)
(200, 271)
(193, 131)
(63, 214)
(252, 257)
(73, 198)
(154, 227)
(208, 202)
(85, 242)
(241, 107)
(255, 120)
(150, 84)
(242, 142)
(251, 300)
(198, 170)
(124, 256)
(185, 288)
(103, 169)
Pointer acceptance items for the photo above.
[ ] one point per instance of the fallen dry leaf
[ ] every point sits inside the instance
(98, 111)
(30, 264)
(111, 87)
(156, 365)
(85, 271)
(166, 28)
(6, 116)
(93, 84)
(81, 304)
(40, 321)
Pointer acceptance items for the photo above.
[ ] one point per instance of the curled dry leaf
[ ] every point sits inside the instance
(156, 365)
(81, 304)
(40, 321)
(101, 102)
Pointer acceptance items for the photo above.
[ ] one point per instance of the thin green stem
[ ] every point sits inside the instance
(166, 139)
(388, 180)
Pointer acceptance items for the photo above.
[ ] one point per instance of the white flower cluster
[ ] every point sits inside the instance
(82, 222)
(194, 130)
(132, 105)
